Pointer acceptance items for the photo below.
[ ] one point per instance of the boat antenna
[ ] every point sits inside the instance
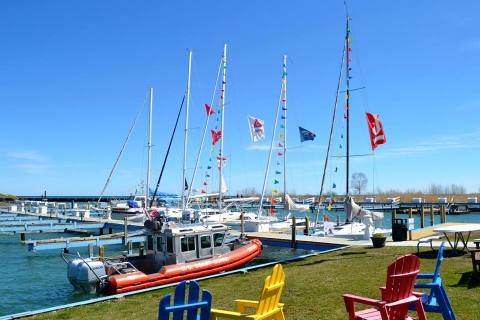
(185, 141)
(167, 153)
(124, 145)
(192, 181)
(325, 165)
(222, 108)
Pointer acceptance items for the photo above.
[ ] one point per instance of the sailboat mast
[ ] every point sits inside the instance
(185, 141)
(347, 96)
(284, 108)
(222, 108)
(149, 149)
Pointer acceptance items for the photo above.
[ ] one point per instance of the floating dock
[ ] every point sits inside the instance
(78, 242)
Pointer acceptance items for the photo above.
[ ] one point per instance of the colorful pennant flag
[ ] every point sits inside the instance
(216, 135)
(209, 110)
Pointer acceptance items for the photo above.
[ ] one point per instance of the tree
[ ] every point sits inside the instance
(359, 182)
(435, 188)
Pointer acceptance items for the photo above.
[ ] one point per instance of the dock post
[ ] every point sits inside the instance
(432, 216)
(444, 214)
(338, 220)
(142, 249)
(22, 236)
(410, 215)
(130, 247)
(242, 225)
(394, 213)
(307, 225)
(125, 230)
(101, 251)
(90, 250)
(422, 218)
(294, 230)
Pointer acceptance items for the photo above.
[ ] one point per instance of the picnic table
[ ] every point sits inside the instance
(459, 231)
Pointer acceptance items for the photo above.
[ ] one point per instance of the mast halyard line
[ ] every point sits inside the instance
(222, 108)
(260, 207)
(185, 142)
(204, 134)
(284, 100)
(149, 151)
(331, 134)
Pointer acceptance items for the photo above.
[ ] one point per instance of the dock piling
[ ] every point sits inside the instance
(125, 230)
(422, 218)
(90, 250)
(294, 230)
(432, 216)
(307, 225)
(101, 251)
(410, 215)
(242, 225)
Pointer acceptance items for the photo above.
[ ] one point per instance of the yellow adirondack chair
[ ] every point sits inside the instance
(268, 307)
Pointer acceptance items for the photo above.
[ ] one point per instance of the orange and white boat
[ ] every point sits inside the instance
(172, 253)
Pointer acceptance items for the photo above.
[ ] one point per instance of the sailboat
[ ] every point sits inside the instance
(365, 224)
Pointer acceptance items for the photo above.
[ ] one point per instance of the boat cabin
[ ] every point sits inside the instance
(174, 244)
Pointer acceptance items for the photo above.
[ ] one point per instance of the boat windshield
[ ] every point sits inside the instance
(218, 239)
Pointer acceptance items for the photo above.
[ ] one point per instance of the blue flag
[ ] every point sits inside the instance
(306, 135)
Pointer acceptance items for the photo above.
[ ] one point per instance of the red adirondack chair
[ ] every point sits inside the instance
(396, 295)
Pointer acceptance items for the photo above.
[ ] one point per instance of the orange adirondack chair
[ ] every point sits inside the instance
(396, 295)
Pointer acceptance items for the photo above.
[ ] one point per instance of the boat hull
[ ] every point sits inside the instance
(178, 272)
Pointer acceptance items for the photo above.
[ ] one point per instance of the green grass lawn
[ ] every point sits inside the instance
(313, 290)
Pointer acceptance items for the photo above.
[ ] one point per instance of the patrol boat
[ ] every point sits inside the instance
(172, 253)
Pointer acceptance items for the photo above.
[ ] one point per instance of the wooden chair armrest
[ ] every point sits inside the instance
(224, 314)
(425, 285)
(363, 300)
(425, 276)
(240, 305)
(402, 301)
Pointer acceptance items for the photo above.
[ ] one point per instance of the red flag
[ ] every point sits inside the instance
(273, 211)
(209, 110)
(375, 127)
(216, 135)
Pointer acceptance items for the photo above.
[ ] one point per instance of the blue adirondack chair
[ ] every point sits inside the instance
(195, 308)
(436, 300)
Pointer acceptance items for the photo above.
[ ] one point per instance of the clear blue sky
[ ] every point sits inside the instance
(73, 74)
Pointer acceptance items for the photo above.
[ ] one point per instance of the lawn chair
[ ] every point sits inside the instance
(268, 307)
(396, 295)
(196, 309)
(436, 300)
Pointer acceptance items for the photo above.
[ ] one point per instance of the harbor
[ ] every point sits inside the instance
(239, 160)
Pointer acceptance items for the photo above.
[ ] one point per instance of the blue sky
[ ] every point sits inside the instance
(73, 74)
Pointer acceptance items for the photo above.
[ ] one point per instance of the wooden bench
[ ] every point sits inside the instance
(427, 240)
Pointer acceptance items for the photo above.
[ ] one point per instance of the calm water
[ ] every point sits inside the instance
(32, 281)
